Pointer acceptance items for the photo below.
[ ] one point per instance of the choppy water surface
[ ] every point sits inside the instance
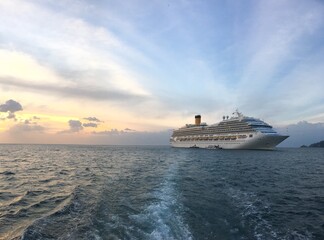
(106, 192)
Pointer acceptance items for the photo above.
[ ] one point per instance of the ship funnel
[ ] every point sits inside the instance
(197, 120)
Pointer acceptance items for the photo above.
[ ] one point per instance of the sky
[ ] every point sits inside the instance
(128, 72)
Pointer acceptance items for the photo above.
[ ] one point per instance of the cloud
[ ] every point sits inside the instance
(11, 115)
(11, 106)
(79, 51)
(302, 133)
(92, 119)
(77, 91)
(129, 130)
(93, 122)
(30, 68)
(109, 132)
(279, 57)
(26, 128)
(90, 125)
(75, 125)
(31, 121)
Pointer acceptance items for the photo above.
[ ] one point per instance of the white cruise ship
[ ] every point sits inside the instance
(237, 132)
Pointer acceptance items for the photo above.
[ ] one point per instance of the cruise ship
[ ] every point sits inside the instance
(237, 132)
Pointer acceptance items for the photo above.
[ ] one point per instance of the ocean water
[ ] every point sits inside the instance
(136, 192)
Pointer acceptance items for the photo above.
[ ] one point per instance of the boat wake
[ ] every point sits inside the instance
(163, 218)
(156, 214)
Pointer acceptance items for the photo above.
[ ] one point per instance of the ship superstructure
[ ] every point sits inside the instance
(237, 132)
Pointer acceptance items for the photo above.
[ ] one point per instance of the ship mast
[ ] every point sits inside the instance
(237, 114)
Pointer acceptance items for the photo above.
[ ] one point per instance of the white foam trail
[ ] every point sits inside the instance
(164, 215)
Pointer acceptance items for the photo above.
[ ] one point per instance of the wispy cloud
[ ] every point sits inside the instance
(69, 44)
(275, 49)
(76, 91)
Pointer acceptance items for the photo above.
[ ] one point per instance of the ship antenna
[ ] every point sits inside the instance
(238, 113)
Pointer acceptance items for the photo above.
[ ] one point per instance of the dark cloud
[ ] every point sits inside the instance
(75, 125)
(79, 91)
(11, 106)
(302, 133)
(92, 119)
(30, 121)
(90, 125)
(36, 118)
(11, 115)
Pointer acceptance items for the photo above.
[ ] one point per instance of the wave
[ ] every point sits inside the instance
(252, 210)
(71, 218)
(7, 173)
(21, 211)
(255, 212)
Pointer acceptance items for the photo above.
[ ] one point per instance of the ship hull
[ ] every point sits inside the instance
(259, 141)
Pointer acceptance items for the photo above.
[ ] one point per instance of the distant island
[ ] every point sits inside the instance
(318, 144)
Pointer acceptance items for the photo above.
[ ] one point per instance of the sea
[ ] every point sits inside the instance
(159, 192)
